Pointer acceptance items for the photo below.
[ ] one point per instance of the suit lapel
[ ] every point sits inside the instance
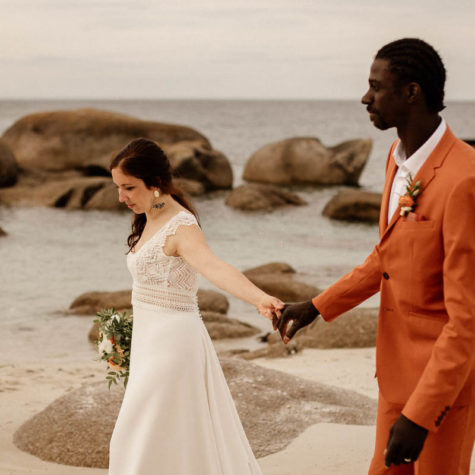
(426, 174)
(390, 173)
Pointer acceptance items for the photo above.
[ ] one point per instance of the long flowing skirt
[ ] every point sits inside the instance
(177, 416)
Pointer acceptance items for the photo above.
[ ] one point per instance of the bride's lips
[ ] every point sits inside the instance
(130, 206)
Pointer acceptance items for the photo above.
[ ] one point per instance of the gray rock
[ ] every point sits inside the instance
(212, 301)
(305, 160)
(274, 408)
(105, 198)
(89, 303)
(54, 147)
(84, 138)
(219, 326)
(277, 279)
(258, 197)
(8, 166)
(354, 205)
(271, 268)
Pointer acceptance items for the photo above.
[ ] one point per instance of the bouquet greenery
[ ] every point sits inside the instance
(113, 344)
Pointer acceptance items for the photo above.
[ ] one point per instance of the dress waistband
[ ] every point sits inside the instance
(164, 298)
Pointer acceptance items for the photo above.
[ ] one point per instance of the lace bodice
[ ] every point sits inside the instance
(160, 280)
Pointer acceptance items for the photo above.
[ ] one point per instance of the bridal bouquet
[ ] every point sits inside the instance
(113, 344)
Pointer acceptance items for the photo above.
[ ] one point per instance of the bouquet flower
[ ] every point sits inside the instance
(113, 344)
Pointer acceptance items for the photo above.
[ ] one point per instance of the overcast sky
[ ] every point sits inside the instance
(220, 48)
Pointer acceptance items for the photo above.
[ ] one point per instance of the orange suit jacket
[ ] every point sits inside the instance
(425, 270)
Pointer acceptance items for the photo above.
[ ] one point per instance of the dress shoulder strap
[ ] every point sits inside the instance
(182, 218)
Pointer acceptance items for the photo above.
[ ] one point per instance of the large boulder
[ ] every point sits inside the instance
(277, 279)
(354, 205)
(53, 146)
(70, 191)
(198, 162)
(8, 166)
(84, 138)
(274, 408)
(258, 197)
(305, 160)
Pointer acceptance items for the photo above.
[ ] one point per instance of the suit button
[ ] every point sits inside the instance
(386, 275)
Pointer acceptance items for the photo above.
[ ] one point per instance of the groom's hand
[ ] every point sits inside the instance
(300, 314)
(405, 442)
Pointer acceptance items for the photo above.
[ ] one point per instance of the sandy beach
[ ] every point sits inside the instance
(327, 449)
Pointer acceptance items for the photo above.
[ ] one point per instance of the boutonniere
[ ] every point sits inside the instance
(407, 202)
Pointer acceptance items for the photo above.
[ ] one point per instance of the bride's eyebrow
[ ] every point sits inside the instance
(123, 184)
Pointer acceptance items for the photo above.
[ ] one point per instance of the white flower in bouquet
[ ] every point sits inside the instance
(113, 344)
(105, 346)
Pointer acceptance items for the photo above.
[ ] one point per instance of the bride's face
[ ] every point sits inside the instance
(132, 191)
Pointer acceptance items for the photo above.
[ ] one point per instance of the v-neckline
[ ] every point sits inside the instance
(157, 231)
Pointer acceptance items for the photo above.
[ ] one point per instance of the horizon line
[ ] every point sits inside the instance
(230, 99)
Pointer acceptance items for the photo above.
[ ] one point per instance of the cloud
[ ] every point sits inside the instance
(186, 45)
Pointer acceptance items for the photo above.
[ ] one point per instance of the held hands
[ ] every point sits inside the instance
(300, 314)
(269, 306)
(405, 442)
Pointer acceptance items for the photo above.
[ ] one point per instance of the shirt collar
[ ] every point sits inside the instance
(413, 163)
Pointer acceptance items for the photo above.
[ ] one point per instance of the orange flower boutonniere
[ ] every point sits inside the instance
(407, 202)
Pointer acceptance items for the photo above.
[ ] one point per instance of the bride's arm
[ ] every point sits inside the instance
(190, 243)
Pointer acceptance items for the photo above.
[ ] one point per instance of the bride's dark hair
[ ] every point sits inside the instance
(144, 159)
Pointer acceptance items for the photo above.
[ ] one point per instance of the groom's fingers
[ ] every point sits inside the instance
(283, 332)
(281, 323)
(292, 330)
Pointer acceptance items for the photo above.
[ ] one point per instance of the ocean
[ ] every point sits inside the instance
(52, 255)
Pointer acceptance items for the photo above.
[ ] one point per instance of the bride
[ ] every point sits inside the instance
(177, 416)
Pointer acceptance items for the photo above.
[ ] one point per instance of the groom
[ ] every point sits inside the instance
(424, 267)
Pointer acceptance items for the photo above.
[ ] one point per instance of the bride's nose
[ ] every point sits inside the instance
(122, 196)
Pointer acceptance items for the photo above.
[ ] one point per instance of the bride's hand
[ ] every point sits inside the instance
(269, 306)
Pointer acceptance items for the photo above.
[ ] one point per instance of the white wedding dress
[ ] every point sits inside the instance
(177, 416)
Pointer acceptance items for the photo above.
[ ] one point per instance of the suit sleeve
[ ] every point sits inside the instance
(352, 289)
(453, 356)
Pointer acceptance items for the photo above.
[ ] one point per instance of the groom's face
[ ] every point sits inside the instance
(384, 99)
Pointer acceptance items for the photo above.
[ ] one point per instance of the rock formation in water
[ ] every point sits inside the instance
(281, 281)
(354, 205)
(8, 166)
(64, 157)
(305, 160)
(258, 197)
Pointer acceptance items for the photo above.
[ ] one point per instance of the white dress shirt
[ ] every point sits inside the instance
(411, 165)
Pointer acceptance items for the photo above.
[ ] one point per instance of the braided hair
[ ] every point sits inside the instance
(414, 60)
